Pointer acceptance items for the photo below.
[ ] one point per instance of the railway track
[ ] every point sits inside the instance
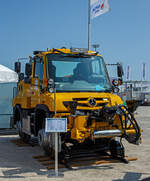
(85, 161)
(80, 159)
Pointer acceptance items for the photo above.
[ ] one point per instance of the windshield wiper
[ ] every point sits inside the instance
(108, 90)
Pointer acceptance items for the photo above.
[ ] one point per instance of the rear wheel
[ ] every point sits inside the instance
(44, 140)
(23, 136)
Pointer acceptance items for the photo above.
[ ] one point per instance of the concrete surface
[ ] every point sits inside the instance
(16, 163)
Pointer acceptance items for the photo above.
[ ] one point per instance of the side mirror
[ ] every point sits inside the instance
(120, 70)
(28, 69)
(21, 76)
(17, 67)
(117, 82)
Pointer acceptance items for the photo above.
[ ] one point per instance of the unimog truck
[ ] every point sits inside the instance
(73, 84)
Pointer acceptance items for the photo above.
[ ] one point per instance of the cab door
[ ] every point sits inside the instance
(37, 82)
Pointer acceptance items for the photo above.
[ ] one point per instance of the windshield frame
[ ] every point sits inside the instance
(81, 56)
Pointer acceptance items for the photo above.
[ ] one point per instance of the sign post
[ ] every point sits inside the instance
(56, 154)
(56, 125)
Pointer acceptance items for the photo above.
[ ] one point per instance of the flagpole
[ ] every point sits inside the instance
(95, 8)
(89, 25)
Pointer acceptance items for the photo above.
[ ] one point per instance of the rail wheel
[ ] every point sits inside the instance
(45, 140)
(116, 149)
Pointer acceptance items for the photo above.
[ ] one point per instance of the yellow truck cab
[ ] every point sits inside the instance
(72, 84)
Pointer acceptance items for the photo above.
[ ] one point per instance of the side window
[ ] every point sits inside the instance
(39, 68)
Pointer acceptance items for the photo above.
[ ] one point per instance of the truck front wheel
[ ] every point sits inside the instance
(44, 140)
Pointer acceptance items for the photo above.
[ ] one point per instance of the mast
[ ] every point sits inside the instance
(89, 25)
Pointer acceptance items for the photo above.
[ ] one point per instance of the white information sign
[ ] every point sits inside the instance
(56, 125)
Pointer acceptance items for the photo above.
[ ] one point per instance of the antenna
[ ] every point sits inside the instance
(95, 46)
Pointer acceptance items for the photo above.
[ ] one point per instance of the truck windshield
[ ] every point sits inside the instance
(78, 73)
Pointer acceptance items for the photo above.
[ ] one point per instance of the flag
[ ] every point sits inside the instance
(99, 7)
(128, 72)
(144, 66)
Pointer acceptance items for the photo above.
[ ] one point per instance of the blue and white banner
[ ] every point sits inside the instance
(99, 7)
(128, 72)
(143, 70)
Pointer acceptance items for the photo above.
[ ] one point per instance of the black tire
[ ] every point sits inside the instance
(116, 149)
(49, 152)
(23, 136)
(43, 142)
(40, 115)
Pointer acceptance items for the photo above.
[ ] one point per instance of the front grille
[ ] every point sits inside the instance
(82, 105)
(86, 105)
(85, 99)
(80, 99)
(102, 104)
(84, 102)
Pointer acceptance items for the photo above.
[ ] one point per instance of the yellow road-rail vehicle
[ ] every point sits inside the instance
(72, 84)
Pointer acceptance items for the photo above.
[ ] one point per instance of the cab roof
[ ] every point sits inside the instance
(63, 50)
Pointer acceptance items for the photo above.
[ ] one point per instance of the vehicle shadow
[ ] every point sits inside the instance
(18, 162)
(133, 176)
(22, 172)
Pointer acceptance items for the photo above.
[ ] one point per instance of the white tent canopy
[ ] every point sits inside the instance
(7, 75)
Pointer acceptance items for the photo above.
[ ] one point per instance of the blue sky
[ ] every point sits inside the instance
(123, 33)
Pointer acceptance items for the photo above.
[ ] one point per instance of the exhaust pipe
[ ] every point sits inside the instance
(106, 133)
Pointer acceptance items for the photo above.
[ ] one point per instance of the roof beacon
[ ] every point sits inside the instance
(79, 50)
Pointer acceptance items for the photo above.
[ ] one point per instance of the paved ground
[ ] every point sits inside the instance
(16, 163)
